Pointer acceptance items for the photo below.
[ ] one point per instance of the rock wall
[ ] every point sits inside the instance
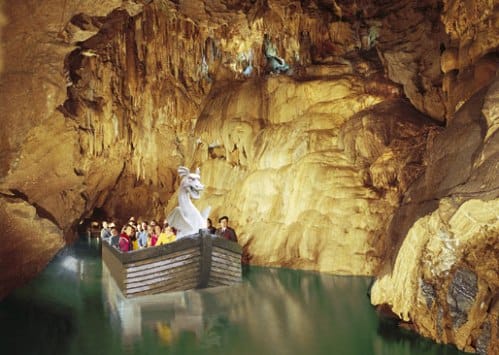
(40, 185)
(310, 185)
(444, 280)
(442, 277)
(2, 23)
(337, 135)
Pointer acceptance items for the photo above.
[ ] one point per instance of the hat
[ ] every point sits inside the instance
(131, 225)
(111, 225)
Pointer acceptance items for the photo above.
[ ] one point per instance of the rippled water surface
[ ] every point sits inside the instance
(74, 307)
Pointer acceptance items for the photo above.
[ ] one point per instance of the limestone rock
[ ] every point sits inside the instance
(443, 277)
(36, 241)
(272, 156)
(2, 24)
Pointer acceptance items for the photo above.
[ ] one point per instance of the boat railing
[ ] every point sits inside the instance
(203, 237)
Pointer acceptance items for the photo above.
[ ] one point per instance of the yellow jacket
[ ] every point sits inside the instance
(165, 238)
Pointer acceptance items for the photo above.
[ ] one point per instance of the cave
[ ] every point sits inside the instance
(344, 137)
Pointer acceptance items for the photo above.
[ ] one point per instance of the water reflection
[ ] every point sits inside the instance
(273, 311)
(171, 317)
(74, 307)
(35, 327)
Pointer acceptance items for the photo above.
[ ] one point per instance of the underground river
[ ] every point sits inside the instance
(73, 307)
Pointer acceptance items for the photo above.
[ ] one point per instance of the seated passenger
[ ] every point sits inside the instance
(115, 237)
(134, 242)
(124, 242)
(105, 234)
(166, 236)
(210, 227)
(143, 235)
(156, 233)
(225, 231)
(152, 238)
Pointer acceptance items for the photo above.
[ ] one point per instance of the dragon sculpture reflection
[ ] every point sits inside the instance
(186, 218)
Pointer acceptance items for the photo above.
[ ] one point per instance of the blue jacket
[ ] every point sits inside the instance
(143, 239)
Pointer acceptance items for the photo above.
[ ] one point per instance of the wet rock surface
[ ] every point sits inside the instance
(428, 292)
(461, 296)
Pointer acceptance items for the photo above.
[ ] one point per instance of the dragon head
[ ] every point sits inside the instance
(191, 182)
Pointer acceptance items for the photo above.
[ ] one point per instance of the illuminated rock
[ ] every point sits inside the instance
(442, 274)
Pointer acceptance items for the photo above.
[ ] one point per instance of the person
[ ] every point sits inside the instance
(166, 236)
(115, 237)
(124, 242)
(143, 235)
(210, 227)
(152, 238)
(225, 231)
(134, 243)
(105, 234)
(155, 235)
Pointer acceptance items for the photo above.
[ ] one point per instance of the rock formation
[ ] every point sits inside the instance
(351, 137)
(442, 275)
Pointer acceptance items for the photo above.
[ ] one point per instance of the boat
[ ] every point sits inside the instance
(93, 233)
(90, 230)
(198, 261)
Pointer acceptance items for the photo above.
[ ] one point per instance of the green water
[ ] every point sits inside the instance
(73, 307)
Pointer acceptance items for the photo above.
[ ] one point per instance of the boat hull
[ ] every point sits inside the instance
(198, 261)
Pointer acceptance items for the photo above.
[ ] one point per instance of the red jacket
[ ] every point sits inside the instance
(229, 234)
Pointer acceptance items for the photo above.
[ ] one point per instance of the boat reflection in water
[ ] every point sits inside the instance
(191, 314)
(273, 311)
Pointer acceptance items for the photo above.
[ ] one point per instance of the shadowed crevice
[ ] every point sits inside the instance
(41, 212)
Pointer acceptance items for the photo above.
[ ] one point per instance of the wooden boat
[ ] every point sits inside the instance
(198, 261)
(91, 230)
(93, 233)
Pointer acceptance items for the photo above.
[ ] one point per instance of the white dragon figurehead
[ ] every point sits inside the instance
(191, 182)
(186, 218)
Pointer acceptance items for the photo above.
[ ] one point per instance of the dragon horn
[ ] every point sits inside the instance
(183, 171)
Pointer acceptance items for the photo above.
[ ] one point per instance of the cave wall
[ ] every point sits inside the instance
(381, 136)
(2, 23)
(260, 157)
(41, 188)
(440, 273)
(443, 275)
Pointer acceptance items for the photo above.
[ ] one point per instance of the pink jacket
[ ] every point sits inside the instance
(124, 242)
